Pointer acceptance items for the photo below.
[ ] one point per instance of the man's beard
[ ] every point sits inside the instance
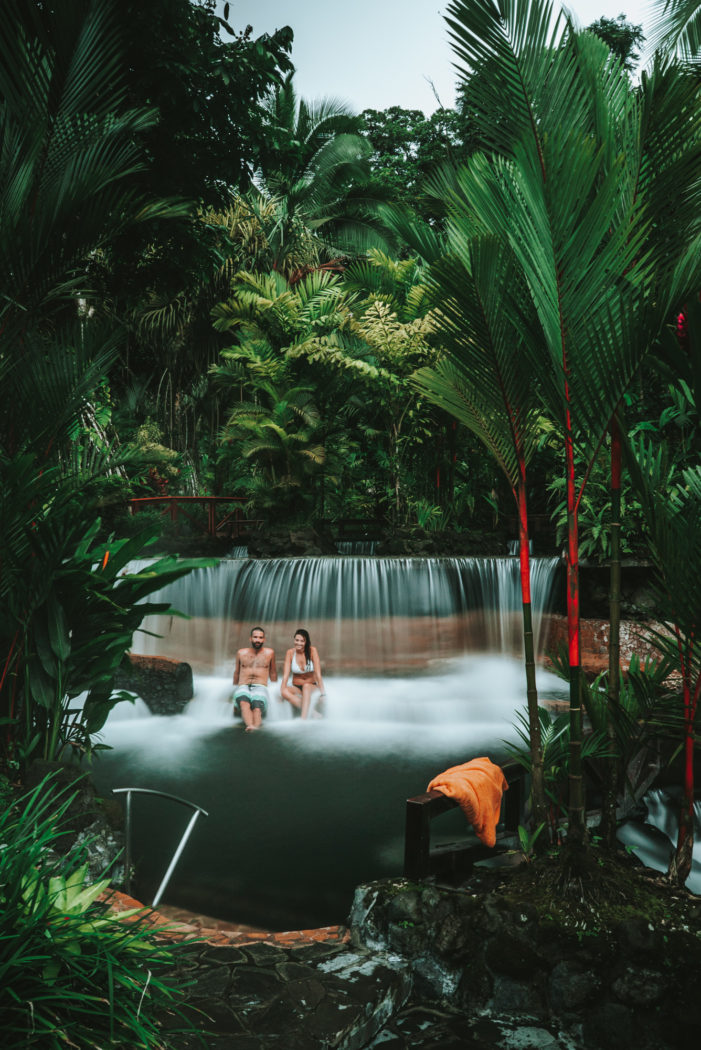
(256, 645)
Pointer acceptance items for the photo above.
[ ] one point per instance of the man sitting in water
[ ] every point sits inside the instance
(254, 666)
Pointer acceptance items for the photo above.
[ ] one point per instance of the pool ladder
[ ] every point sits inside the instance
(129, 791)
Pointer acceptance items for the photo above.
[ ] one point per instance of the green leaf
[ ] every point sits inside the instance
(43, 646)
(59, 633)
(43, 687)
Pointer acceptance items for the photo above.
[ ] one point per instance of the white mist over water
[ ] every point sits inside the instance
(472, 699)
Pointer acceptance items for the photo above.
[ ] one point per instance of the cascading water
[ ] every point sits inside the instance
(364, 547)
(422, 668)
(364, 614)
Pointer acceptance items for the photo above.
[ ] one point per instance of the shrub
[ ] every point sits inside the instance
(70, 973)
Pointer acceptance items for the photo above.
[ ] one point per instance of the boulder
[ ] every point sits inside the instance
(164, 685)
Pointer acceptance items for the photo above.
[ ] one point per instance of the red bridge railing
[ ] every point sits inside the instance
(233, 523)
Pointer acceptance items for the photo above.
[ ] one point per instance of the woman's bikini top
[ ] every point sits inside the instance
(296, 669)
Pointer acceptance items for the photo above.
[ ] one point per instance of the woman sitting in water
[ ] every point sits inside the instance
(302, 662)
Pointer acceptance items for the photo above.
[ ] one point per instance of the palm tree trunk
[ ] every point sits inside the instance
(608, 809)
(576, 824)
(538, 783)
(680, 863)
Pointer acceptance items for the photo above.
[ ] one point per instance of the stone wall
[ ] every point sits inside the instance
(635, 638)
(479, 952)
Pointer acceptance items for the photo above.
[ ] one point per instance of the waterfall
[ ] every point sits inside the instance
(367, 547)
(364, 614)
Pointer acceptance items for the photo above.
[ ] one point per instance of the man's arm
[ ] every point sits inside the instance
(272, 669)
(237, 668)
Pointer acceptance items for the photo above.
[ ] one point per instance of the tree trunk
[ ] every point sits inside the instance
(538, 784)
(680, 863)
(576, 831)
(608, 809)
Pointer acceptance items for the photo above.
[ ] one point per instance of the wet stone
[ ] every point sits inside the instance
(293, 971)
(527, 1038)
(639, 938)
(639, 987)
(312, 954)
(570, 987)
(515, 997)
(405, 907)
(433, 981)
(307, 994)
(264, 954)
(610, 1027)
(281, 1015)
(223, 954)
(236, 1042)
(213, 981)
(217, 1017)
(509, 953)
(453, 937)
(254, 985)
(406, 939)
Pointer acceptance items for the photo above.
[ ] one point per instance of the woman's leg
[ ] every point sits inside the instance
(293, 694)
(307, 689)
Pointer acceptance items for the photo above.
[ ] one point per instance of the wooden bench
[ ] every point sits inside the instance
(457, 858)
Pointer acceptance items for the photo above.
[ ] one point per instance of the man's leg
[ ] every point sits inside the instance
(246, 713)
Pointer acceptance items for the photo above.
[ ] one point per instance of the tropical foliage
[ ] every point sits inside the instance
(212, 285)
(71, 974)
(66, 176)
(569, 194)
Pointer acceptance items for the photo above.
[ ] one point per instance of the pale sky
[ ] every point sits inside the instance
(374, 54)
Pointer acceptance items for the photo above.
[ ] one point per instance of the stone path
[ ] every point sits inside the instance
(313, 990)
(298, 990)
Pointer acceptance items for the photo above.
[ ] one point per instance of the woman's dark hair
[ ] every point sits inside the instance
(307, 643)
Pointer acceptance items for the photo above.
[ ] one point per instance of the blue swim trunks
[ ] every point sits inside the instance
(256, 695)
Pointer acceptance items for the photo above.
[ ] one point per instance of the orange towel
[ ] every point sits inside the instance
(477, 786)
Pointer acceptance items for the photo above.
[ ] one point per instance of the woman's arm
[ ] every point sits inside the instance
(287, 667)
(317, 668)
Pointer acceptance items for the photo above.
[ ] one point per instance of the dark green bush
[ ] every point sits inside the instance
(70, 973)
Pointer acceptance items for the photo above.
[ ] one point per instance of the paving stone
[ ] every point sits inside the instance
(294, 971)
(307, 993)
(210, 981)
(264, 954)
(253, 985)
(216, 1016)
(313, 952)
(224, 954)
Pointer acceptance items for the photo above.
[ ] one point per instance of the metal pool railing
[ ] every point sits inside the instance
(129, 791)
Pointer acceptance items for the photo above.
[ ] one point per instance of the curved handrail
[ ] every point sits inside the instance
(129, 791)
(161, 794)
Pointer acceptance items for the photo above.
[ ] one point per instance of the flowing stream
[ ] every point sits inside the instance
(422, 663)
